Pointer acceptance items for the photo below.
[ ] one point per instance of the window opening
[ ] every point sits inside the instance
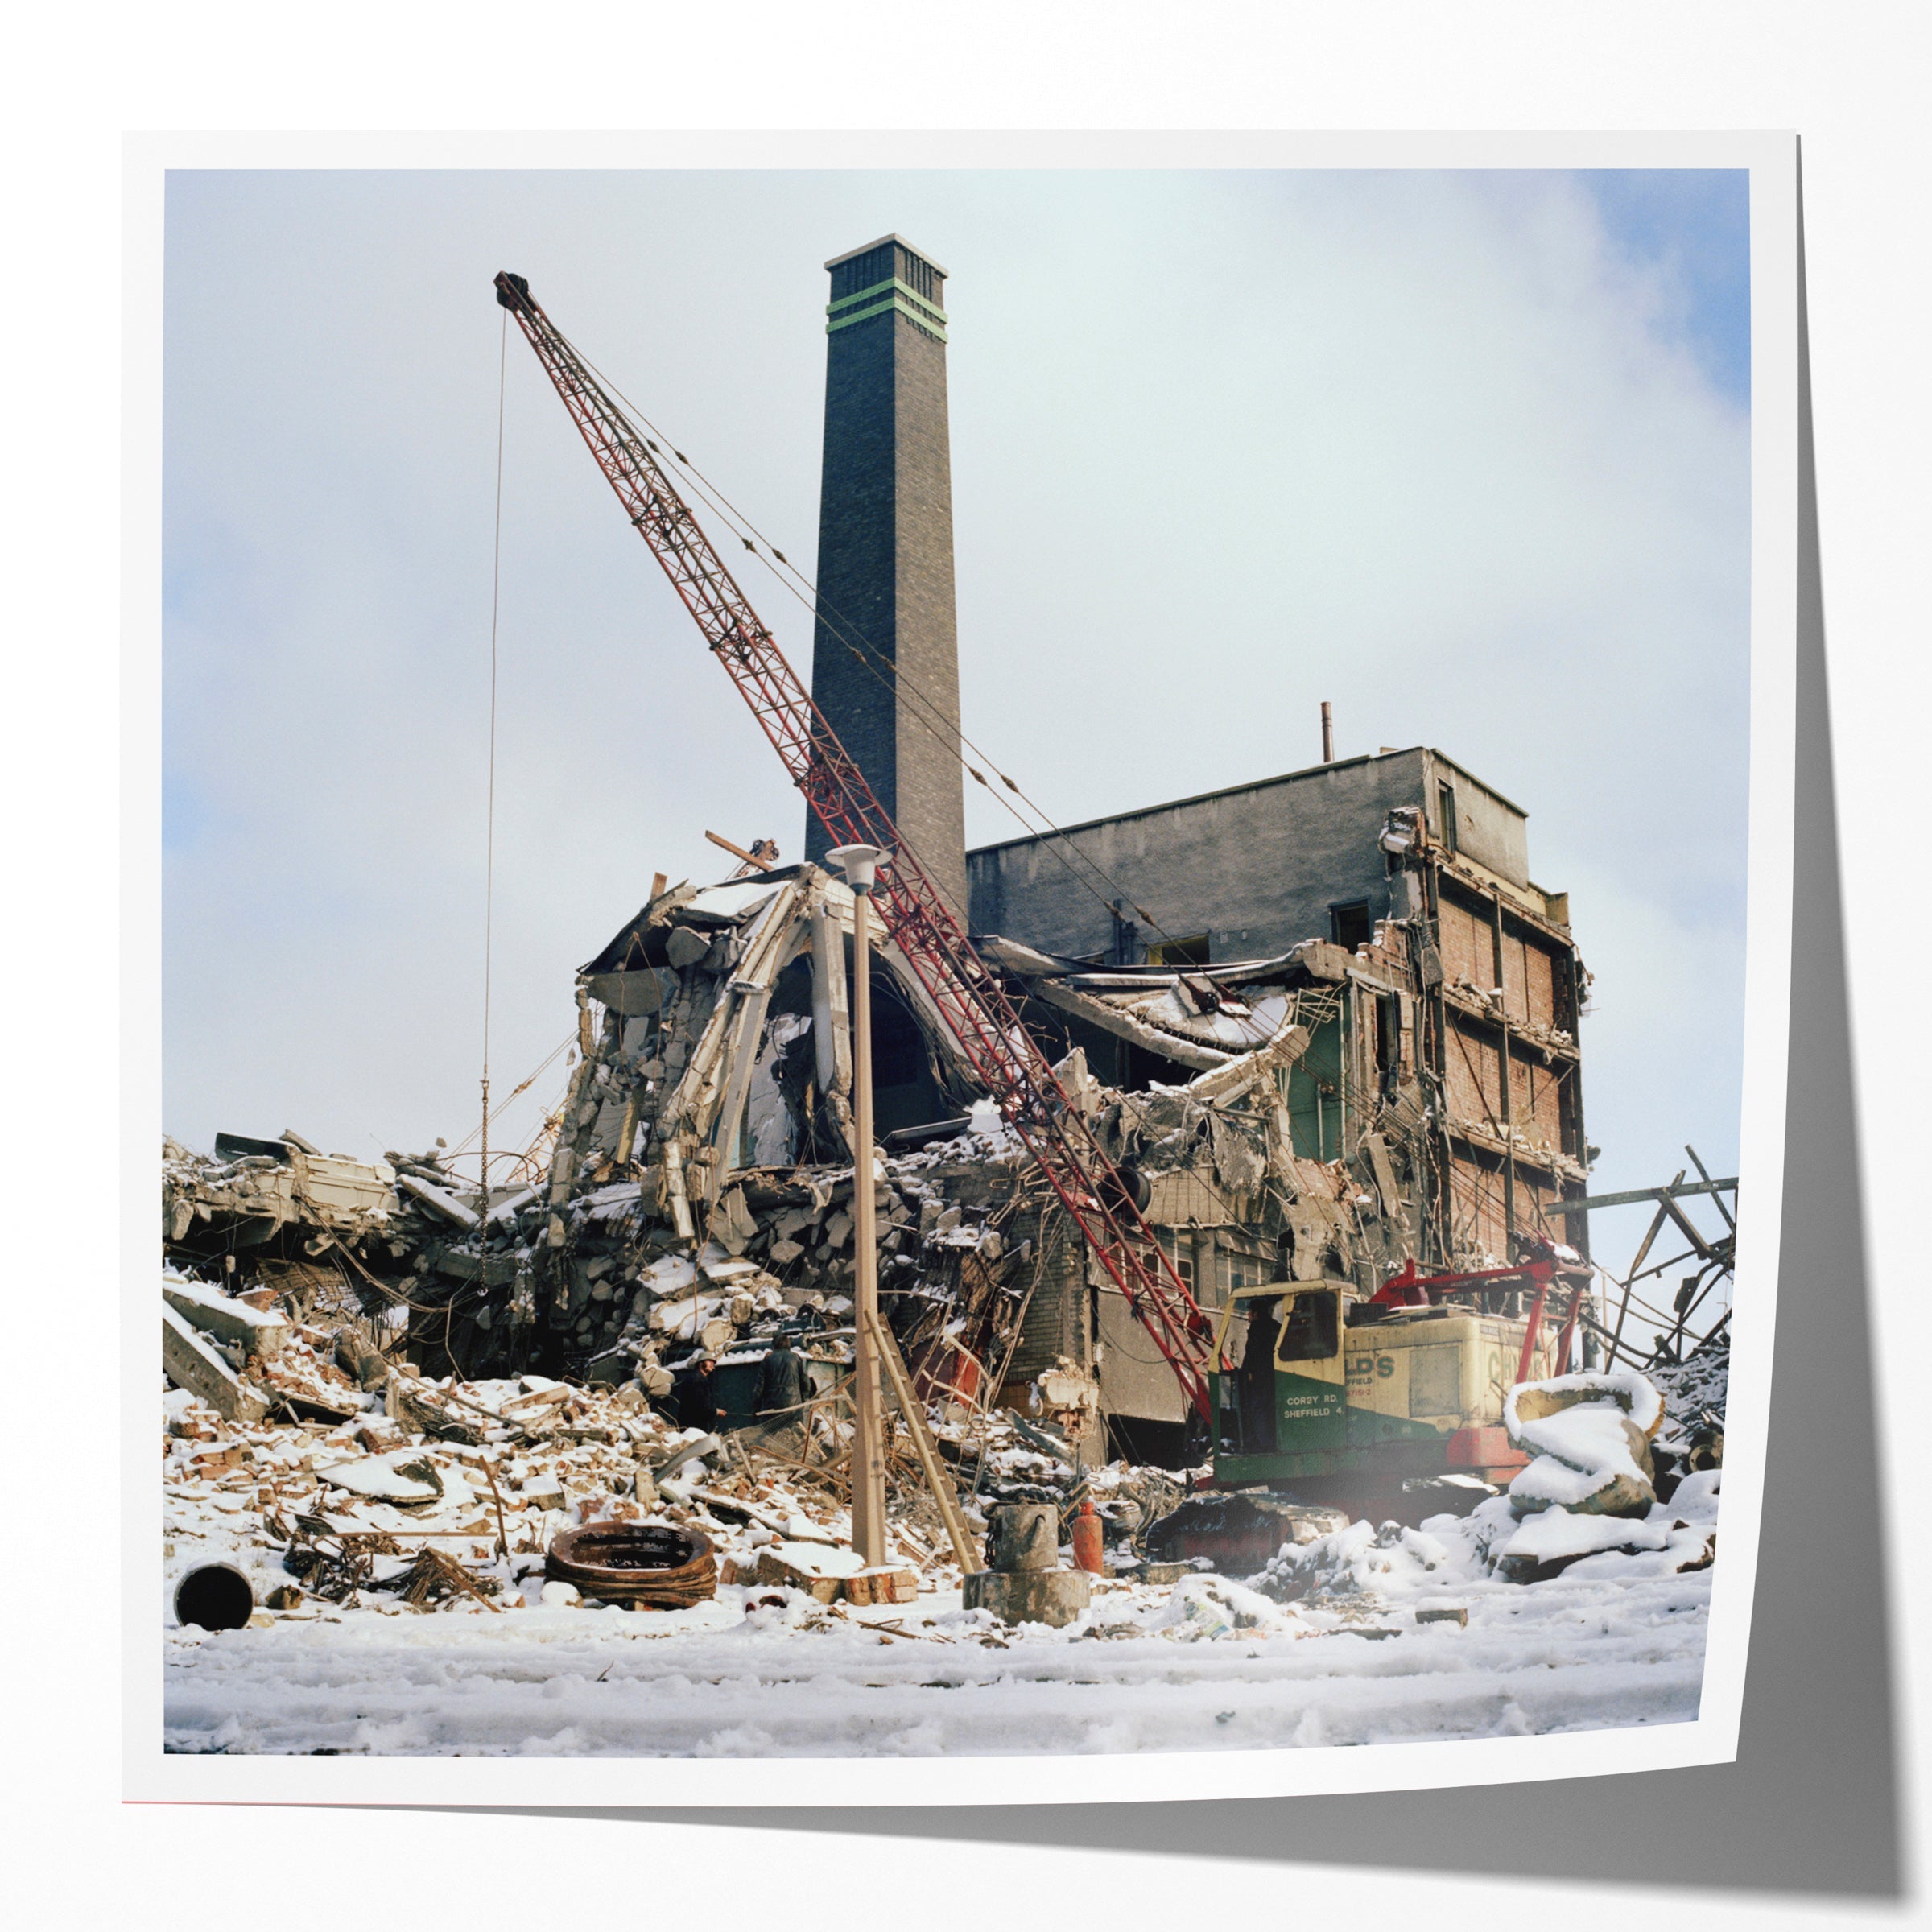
(1180, 952)
(1350, 924)
(1313, 1332)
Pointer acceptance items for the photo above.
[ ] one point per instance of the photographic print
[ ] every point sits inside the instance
(964, 957)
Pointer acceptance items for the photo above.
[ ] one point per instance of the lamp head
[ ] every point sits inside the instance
(859, 865)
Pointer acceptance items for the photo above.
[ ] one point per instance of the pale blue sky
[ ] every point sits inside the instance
(1466, 454)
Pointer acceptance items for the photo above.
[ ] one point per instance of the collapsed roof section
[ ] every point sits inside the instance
(725, 1042)
(1202, 1017)
(725, 1038)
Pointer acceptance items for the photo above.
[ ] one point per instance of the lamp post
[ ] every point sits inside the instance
(859, 864)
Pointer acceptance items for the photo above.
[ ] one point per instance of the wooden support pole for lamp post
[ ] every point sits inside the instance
(868, 1438)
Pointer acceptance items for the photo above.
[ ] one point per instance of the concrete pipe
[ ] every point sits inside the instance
(214, 1596)
(1026, 1536)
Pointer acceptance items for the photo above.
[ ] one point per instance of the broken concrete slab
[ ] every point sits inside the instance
(191, 1363)
(380, 1479)
(254, 1331)
(445, 1204)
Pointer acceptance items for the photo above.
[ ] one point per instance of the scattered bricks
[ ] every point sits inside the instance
(887, 1584)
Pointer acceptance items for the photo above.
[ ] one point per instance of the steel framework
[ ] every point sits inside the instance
(986, 1028)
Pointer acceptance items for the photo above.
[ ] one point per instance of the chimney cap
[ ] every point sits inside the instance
(911, 247)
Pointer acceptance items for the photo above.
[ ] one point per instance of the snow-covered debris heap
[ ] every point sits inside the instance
(1591, 1493)
(1365, 1569)
(329, 1516)
(439, 1494)
(1590, 1436)
(1585, 1506)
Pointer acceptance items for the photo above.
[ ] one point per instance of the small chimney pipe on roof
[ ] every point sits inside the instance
(1327, 734)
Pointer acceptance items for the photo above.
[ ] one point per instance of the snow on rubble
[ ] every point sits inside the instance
(1503, 1622)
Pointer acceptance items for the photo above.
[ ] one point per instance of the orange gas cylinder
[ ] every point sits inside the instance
(1089, 1540)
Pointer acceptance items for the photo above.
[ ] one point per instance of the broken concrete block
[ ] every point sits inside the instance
(445, 1204)
(776, 1570)
(191, 1363)
(225, 1319)
(542, 1493)
(683, 946)
(820, 1570)
(356, 1357)
(1053, 1597)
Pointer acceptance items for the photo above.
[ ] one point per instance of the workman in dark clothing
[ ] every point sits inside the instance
(696, 1392)
(1254, 1380)
(782, 1387)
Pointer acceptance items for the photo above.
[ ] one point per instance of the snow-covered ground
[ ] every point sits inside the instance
(1510, 1620)
(1616, 1639)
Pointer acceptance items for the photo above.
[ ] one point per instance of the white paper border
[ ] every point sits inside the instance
(151, 1776)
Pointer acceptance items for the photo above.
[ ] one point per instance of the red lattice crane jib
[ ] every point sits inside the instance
(986, 1028)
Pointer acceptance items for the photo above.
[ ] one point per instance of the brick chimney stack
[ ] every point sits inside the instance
(885, 551)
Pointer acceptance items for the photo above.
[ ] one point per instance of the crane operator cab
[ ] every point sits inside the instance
(1341, 1399)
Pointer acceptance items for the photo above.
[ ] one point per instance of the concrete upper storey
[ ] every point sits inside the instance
(1253, 870)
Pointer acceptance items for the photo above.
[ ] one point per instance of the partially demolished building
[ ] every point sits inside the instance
(1346, 1035)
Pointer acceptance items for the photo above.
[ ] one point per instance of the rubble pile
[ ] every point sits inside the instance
(438, 1494)
(329, 1584)
(694, 1193)
(1589, 1503)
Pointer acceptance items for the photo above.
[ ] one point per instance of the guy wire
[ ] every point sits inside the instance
(490, 833)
